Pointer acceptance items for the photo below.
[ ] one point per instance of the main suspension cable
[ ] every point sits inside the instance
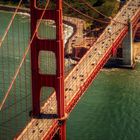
(94, 9)
(10, 23)
(87, 16)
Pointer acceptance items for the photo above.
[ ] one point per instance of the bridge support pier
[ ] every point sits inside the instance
(124, 56)
(128, 59)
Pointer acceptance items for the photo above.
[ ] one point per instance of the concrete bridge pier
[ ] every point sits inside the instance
(128, 58)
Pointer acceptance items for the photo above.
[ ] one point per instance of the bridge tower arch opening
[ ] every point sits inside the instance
(56, 46)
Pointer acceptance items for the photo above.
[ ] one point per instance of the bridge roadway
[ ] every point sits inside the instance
(83, 73)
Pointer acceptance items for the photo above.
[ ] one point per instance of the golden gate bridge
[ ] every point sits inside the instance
(33, 72)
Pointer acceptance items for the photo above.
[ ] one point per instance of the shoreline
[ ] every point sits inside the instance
(12, 8)
(72, 30)
(73, 22)
(26, 12)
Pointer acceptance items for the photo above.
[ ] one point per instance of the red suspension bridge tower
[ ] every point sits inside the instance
(56, 46)
(48, 121)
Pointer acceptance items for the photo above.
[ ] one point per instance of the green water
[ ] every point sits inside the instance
(18, 103)
(109, 110)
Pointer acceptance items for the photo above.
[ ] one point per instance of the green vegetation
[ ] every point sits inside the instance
(108, 7)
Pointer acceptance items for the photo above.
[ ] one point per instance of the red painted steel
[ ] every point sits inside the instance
(95, 72)
(40, 80)
(57, 81)
(55, 128)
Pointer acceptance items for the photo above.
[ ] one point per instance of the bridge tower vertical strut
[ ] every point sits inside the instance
(56, 46)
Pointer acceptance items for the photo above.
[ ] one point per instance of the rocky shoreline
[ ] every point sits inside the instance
(70, 25)
(72, 30)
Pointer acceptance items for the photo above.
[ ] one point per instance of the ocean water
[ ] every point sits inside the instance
(110, 108)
